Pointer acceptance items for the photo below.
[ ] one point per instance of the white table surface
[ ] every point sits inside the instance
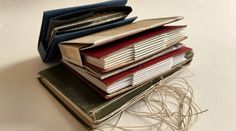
(26, 106)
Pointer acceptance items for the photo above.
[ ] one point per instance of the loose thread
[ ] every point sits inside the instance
(170, 106)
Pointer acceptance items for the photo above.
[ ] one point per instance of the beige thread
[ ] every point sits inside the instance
(170, 106)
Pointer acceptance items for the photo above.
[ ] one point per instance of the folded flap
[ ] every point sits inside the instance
(113, 34)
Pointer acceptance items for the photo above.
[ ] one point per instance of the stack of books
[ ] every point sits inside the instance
(108, 63)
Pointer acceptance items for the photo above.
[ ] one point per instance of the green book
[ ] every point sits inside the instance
(85, 104)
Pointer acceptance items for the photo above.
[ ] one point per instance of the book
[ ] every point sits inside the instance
(100, 74)
(85, 104)
(71, 49)
(85, 19)
(67, 23)
(137, 75)
(134, 48)
(109, 62)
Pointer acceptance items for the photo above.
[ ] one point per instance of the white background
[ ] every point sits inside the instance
(26, 106)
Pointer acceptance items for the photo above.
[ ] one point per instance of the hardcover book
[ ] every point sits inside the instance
(85, 104)
(137, 75)
(70, 49)
(64, 24)
(134, 48)
(101, 74)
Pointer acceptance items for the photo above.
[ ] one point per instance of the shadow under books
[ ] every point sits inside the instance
(21, 78)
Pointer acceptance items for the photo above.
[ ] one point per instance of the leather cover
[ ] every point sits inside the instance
(51, 52)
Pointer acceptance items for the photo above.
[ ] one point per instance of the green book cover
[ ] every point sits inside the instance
(83, 102)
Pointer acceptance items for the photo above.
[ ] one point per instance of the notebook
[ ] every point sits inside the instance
(70, 49)
(100, 74)
(76, 21)
(83, 103)
(138, 74)
(134, 48)
(67, 23)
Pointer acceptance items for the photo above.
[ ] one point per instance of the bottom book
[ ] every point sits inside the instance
(84, 103)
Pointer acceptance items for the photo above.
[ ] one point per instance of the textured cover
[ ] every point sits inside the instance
(86, 99)
(52, 52)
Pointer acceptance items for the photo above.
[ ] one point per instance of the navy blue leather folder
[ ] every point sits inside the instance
(54, 24)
